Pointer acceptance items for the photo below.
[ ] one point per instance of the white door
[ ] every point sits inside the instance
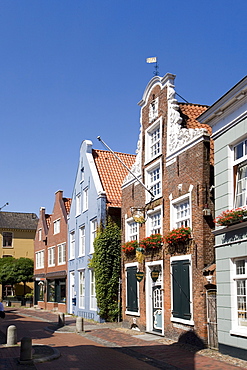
(154, 298)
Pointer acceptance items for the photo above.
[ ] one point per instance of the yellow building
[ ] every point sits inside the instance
(17, 233)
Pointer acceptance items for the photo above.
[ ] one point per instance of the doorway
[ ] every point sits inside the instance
(154, 297)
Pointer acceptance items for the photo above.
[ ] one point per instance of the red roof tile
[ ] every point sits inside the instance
(112, 173)
(67, 204)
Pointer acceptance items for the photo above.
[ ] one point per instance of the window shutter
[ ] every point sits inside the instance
(132, 304)
(181, 289)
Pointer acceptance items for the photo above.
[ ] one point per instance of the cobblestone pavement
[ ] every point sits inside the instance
(105, 346)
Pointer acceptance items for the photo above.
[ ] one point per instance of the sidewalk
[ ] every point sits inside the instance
(103, 346)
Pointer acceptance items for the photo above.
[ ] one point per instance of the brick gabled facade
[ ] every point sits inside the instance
(174, 161)
(50, 248)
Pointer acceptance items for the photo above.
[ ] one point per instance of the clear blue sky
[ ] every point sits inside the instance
(74, 69)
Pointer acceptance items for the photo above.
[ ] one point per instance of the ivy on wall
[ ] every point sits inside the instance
(106, 263)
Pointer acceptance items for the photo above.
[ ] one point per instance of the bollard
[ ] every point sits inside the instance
(79, 324)
(61, 319)
(11, 335)
(26, 350)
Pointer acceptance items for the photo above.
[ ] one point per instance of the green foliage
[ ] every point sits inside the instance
(14, 270)
(106, 263)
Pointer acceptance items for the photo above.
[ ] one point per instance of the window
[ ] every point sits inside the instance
(7, 239)
(240, 171)
(85, 199)
(153, 146)
(153, 109)
(82, 241)
(39, 257)
(154, 223)
(181, 288)
(51, 291)
(51, 256)
(93, 232)
(153, 180)
(132, 230)
(82, 289)
(93, 302)
(240, 296)
(56, 227)
(82, 174)
(181, 212)
(78, 204)
(61, 254)
(131, 289)
(39, 235)
(72, 245)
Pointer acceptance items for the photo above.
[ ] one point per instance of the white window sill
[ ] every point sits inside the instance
(132, 313)
(61, 263)
(242, 332)
(149, 159)
(51, 265)
(182, 321)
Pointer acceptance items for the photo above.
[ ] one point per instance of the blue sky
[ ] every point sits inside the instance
(71, 70)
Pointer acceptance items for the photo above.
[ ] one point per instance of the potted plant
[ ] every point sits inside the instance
(178, 236)
(152, 242)
(29, 299)
(231, 216)
(130, 247)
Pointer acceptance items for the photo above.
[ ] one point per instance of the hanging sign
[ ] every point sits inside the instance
(139, 276)
(155, 275)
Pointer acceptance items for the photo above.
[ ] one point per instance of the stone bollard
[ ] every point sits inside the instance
(79, 324)
(11, 335)
(26, 350)
(61, 319)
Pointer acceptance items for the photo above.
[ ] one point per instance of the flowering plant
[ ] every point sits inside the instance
(231, 216)
(179, 235)
(130, 247)
(154, 241)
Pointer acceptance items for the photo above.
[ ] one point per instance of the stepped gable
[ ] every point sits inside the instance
(18, 220)
(112, 173)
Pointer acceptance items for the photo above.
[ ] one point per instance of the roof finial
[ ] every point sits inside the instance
(154, 60)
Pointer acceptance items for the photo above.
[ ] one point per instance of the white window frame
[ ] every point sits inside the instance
(85, 199)
(78, 205)
(72, 245)
(56, 226)
(82, 237)
(177, 319)
(133, 264)
(153, 109)
(93, 301)
(131, 230)
(93, 233)
(51, 256)
(237, 329)
(174, 221)
(153, 141)
(237, 164)
(40, 259)
(39, 235)
(61, 254)
(149, 171)
(81, 279)
(152, 225)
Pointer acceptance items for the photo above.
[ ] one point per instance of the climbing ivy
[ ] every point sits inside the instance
(106, 263)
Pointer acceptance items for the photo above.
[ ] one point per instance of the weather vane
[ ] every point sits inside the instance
(154, 60)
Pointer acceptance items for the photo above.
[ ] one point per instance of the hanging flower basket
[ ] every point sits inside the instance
(152, 242)
(130, 247)
(231, 217)
(178, 236)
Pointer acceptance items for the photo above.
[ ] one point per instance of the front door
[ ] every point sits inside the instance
(154, 301)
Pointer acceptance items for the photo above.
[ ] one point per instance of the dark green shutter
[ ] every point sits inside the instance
(181, 289)
(132, 304)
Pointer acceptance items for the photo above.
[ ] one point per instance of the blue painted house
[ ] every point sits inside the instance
(96, 195)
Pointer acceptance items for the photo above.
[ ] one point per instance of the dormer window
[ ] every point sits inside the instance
(153, 109)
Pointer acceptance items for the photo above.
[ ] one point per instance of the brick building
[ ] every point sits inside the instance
(174, 161)
(50, 246)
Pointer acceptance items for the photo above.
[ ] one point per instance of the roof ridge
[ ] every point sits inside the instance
(108, 151)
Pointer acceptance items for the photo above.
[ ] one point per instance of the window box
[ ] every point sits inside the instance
(230, 217)
(129, 248)
(152, 243)
(178, 240)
